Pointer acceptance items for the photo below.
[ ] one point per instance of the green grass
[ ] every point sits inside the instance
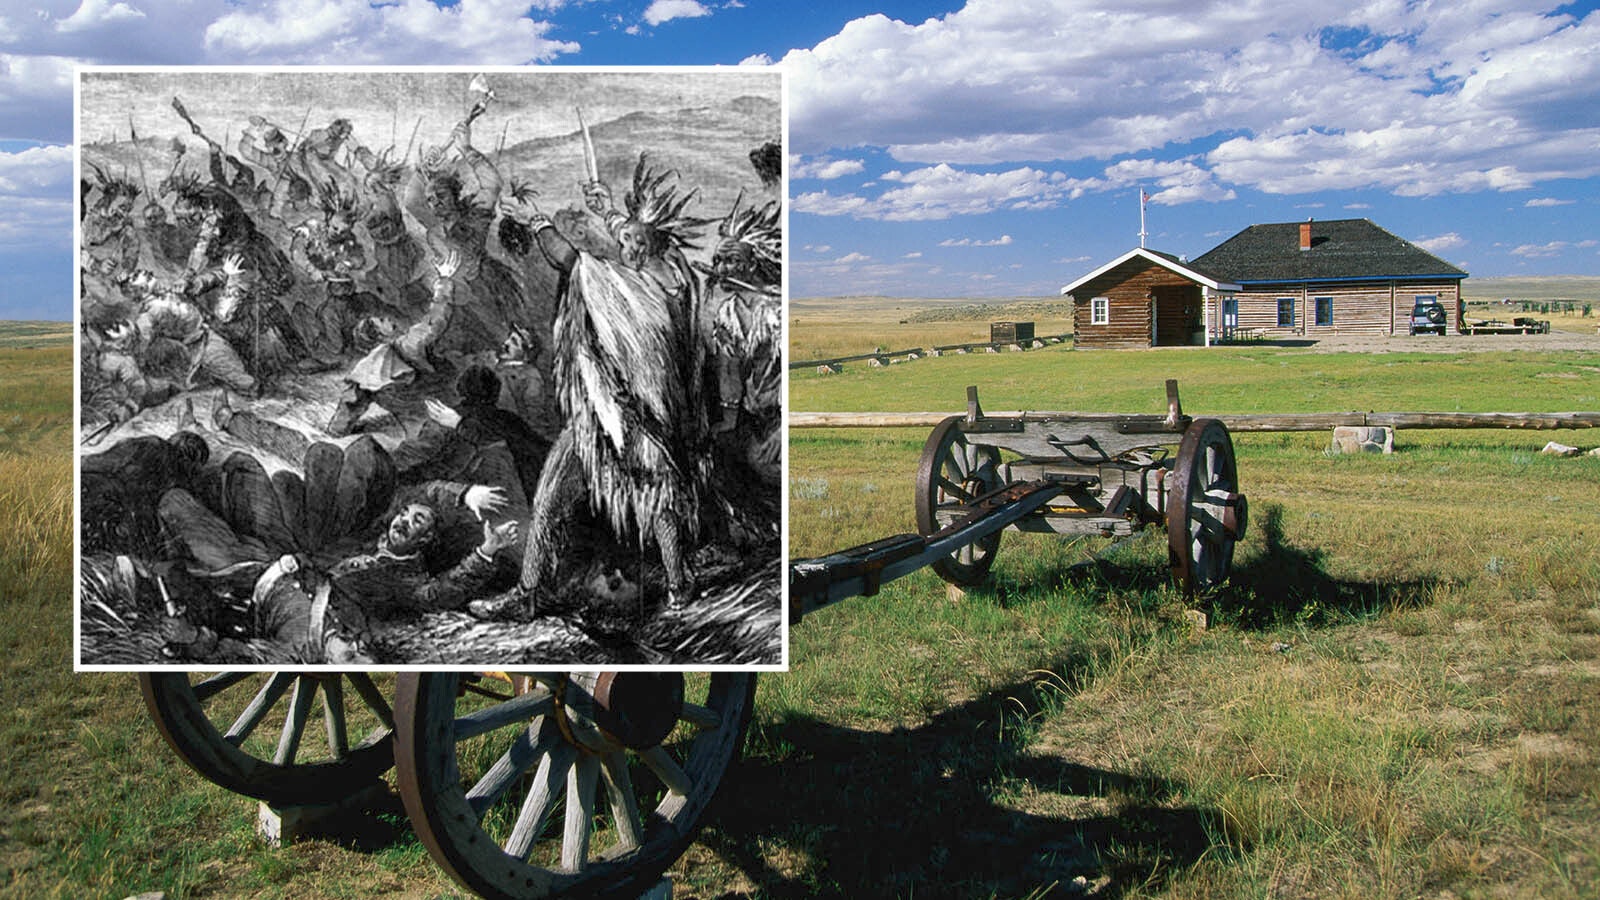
(1397, 697)
(1264, 379)
(35, 335)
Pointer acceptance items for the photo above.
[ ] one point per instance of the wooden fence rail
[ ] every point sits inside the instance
(1236, 423)
(837, 360)
(917, 352)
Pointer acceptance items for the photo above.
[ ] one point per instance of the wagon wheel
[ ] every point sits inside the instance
(1205, 512)
(951, 475)
(632, 763)
(212, 723)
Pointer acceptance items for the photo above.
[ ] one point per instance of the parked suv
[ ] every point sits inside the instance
(1428, 316)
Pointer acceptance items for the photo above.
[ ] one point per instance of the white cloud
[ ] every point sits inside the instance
(1551, 249)
(853, 258)
(1441, 243)
(35, 171)
(939, 192)
(915, 254)
(660, 11)
(35, 195)
(1547, 201)
(825, 169)
(95, 13)
(1000, 241)
(1429, 100)
(822, 203)
(354, 31)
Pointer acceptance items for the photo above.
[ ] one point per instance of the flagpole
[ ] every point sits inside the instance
(1142, 233)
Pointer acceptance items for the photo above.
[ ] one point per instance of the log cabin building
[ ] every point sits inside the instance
(1292, 279)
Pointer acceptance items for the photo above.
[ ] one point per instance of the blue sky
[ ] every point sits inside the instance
(992, 148)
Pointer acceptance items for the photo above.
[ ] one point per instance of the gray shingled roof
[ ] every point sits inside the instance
(1340, 249)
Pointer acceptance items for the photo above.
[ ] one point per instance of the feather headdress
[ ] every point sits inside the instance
(653, 201)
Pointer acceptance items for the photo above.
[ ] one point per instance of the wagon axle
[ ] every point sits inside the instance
(1117, 475)
(591, 784)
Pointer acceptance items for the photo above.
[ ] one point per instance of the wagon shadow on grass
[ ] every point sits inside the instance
(1281, 584)
(956, 807)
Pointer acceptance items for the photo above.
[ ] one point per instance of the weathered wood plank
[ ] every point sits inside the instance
(1265, 422)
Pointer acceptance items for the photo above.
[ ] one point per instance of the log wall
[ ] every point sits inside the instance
(1371, 307)
(1129, 289)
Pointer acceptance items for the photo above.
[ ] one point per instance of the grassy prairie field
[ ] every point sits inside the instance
(826, 328)
(1398, 696)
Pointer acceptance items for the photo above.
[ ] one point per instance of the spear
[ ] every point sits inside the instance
(134, 137)
(411, 140)
(284, 166)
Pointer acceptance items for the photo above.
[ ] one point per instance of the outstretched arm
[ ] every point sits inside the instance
(556, 248)
(480, 178)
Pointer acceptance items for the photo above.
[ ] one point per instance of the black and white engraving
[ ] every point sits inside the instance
(429, 367)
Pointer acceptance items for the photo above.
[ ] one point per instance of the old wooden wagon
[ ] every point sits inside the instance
(483, 761)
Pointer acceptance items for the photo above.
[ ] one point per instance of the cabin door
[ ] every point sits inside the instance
(1178, 319)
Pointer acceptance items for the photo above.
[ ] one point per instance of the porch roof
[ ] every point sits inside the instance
(1165, 260)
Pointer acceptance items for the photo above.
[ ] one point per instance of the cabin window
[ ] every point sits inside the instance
(1324, 311)
(1285, 312)
(1100, 311)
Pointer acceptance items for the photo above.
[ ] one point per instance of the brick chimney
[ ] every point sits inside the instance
(1305, 235)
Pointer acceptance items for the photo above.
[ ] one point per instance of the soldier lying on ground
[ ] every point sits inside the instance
(266, 543)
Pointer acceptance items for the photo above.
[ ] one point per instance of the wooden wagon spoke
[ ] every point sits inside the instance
(373, 698)
(545, 789)
(535, 703)
(953, 489)
(701, 716)
(1205, 513)
(218, 683)
(294, 723)
(257, 709)
(229, 758)
(667, 769)
(582, 778)
(518, 758)
(624, 805)
(478, 853)
(333, 718)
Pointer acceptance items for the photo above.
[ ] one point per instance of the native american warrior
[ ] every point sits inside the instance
(622, 371)
(245, 186)
(397, 273)
(400, 358)
(318, 156)
(108, 230)
(453, 194)
(332, 250)
(264, 145)
(745, 273)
